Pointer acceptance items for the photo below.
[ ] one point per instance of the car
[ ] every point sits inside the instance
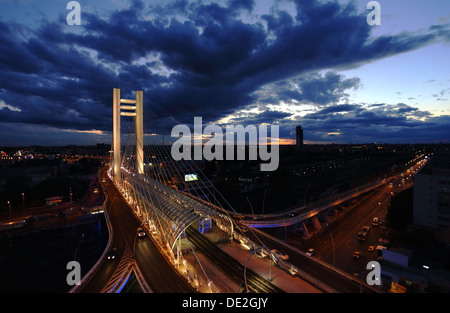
(375, 221)
(310, 252)
(356, 255)
(365, 228)
(263, 252)
(383, 241)
(371, 249)
(280, 254)
(292, 270)
(140, 232)
(112, 254)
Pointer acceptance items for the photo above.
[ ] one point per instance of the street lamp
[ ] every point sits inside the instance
(245, 267)
(264, 199)
(332, 244)
(70, 191)
(76, 250)
(9, 205)
(23, 200)
(250, 206)
(306, 190)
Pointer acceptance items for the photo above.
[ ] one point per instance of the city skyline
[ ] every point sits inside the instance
(317, 64)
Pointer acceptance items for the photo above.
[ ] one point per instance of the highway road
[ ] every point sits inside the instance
(100, 278)
(158, 273)
(229, 265)
(320, 272)
(336, 243)
(161, 277)
(299, 214)
(342, 234)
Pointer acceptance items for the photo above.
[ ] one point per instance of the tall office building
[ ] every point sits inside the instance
(299, 139)
(432, 194)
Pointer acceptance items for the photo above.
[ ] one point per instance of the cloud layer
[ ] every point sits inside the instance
(209, 60)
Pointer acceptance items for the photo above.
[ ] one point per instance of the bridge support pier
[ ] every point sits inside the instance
(305, 230)
(137, 107)
(316, 222)
(116, 134)
(139, 126)
(326, 218)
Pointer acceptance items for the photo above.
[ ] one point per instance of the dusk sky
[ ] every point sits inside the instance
(317, 64)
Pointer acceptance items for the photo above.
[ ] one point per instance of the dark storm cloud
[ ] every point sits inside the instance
(325, 90)
(391, 123)
(339, 108)
(269, 116)
(215, 62)
(311, 88)
(385, 115)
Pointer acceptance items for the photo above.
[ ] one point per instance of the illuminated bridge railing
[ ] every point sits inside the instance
(168, 211)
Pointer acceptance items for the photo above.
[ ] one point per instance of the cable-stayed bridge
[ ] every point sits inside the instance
(174, 199)
(187, 219)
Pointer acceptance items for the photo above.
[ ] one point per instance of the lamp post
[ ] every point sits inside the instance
(251, 208)
(245, 268)
(23, 200)
(70, 194)
(9, 206)
(306, 190)
(264, 199)
(76, 250)
(332, 244)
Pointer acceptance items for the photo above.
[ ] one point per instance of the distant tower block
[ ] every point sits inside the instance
(299, 139)
(134, 109)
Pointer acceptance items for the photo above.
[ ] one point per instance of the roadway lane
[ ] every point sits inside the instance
(344, 231)
(315, 269)
(299, 214)
(229, 265)
(342, 234)
(106, 269)
(157, 272)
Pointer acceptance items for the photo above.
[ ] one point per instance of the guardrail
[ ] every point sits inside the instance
(94, 269)
(140, 279)
(121, 274)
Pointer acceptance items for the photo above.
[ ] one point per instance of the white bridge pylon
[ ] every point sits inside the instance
(164, 210)
(136, 110)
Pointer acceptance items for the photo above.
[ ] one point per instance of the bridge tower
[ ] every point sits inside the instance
(132, 107)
